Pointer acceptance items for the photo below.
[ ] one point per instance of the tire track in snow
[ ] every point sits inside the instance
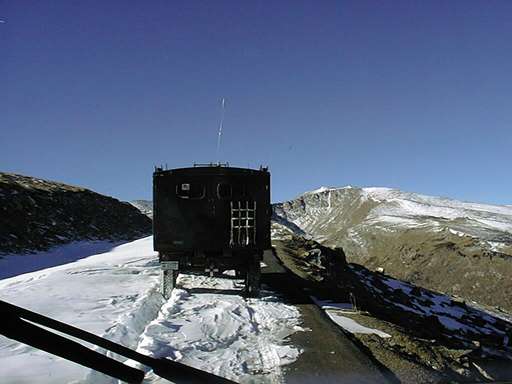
(128, 328)
(208, 325)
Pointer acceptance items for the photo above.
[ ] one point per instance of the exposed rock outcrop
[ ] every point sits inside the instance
(307, 258)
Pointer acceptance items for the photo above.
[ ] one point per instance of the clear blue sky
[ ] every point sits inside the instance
(415, 95)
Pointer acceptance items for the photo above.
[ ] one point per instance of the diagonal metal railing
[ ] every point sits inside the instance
(26, 327)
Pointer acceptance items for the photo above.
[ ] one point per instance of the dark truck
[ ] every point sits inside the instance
(209, 219)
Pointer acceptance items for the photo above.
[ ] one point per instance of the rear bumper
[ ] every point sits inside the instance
(222, 260)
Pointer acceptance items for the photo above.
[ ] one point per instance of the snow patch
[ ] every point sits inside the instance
(333, 310)
(352, 326)
(320, 190)
(17, 264)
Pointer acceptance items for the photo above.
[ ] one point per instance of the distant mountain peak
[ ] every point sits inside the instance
(445, 244)
(145, 206)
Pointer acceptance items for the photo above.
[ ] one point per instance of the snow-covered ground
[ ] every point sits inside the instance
(115, 294)
(13, 265)
(223, 333)
(98, 293)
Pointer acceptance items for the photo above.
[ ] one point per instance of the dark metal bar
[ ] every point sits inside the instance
(27, 333)
(186, 374)
(15, 328)
(239, 222)
(254, 223)
(9, 309)
(231, 237)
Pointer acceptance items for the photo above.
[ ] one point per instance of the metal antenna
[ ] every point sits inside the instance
(223, 103)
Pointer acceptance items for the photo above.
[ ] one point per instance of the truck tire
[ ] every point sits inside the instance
(253, 278)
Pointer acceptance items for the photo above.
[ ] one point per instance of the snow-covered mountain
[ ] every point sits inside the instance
(37, 214)
(145, 206)
(456, 247)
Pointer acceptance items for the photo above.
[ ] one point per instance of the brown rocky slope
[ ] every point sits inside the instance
(428, 337)
(462, 249)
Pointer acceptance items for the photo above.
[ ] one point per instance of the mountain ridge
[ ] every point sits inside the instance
(144, 206)
(460, 248)
(38, 214)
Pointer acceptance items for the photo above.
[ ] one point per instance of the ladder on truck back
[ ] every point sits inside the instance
(243, 223)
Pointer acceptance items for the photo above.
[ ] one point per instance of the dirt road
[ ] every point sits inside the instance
(329, 356)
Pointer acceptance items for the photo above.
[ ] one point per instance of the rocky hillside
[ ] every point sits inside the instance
(459, 248)
(418, 335)
(37, 214)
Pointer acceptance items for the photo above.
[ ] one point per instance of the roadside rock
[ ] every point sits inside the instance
(309, 259)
